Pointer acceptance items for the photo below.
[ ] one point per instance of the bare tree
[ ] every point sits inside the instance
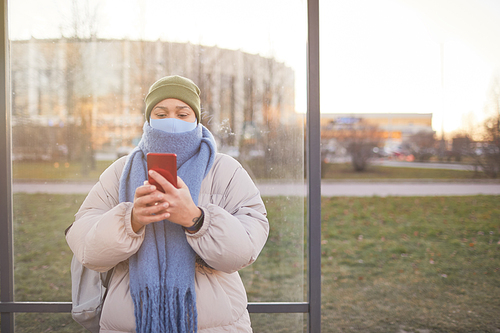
(487, 155)
(84, 20)
(421, 145)
(359, 140)
(83, 27)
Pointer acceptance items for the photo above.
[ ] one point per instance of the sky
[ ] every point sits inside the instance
(434, 56)
(389, 56)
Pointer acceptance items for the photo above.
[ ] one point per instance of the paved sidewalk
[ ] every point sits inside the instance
(52, 187)
(383, 189)
(328, 188)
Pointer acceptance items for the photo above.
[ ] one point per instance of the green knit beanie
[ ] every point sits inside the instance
(177, 87)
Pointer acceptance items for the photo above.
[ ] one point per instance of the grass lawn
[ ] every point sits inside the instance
(388, 264)
(377, 172)
(408, 264)
(57, 171)
(73, 172)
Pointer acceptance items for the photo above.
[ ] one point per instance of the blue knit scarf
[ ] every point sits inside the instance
(162, 271)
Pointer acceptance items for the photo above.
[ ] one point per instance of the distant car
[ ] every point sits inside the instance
(380, 152)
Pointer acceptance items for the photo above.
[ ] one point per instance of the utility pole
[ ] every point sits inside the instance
(442, 145)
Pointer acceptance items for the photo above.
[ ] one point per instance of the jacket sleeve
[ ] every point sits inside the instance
(102, 235)
(235, 229)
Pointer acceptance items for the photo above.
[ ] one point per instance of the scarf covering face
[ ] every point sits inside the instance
(162, 271)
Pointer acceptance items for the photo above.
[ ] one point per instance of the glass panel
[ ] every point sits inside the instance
(46, 322)
(279, 322)
(410, 101)
(79, 76)
(42, 256)
(278, 273)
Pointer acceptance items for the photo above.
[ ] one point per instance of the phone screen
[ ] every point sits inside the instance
(165, 165)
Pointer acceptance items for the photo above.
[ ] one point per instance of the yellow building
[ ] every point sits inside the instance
(394, 127)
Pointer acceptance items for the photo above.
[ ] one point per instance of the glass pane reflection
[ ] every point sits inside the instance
(46, 322)
(279, 322)
(77, 105)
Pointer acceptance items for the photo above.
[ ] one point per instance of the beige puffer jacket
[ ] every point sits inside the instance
(234, 232)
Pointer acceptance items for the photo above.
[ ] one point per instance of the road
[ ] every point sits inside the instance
(422, 165)
(328, 188)
(405, 164)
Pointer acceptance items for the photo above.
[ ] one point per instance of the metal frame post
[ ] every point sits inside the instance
(313, 166)
(6, 230)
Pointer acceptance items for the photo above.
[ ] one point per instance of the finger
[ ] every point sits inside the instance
(165, 184)
(148, 206)
(161, 207)
(144, 190)
(149, 200)
(156, 209)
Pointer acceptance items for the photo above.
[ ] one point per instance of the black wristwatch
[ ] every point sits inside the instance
(197, 224)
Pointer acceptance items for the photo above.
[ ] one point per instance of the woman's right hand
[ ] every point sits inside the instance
(149, 207)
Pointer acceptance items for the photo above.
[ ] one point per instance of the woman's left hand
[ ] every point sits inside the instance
(181, 208)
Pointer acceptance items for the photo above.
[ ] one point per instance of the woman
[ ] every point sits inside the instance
(176, 254)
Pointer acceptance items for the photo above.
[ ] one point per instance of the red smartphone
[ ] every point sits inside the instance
(165, 165)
